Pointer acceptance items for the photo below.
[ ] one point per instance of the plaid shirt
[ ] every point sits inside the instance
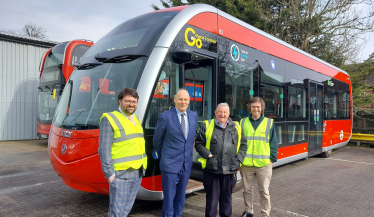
(219, 124)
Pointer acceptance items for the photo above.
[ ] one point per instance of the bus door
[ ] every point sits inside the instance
(315, 118)
(199, 80)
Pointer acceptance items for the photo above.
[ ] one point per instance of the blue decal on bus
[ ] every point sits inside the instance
(272, 64)
(155, 155)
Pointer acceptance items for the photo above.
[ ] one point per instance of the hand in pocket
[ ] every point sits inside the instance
(212, 163)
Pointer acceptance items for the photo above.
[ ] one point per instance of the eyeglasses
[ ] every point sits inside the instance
(127, 102)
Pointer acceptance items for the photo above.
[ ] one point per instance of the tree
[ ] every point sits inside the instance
(29, 30)
(360, 73)
(370, 59)
(169, 3)
(330, 30)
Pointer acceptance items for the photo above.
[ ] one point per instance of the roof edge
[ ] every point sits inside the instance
(273, 38)
(27, 40)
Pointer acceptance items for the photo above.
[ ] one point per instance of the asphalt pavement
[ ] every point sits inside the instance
(342, 185)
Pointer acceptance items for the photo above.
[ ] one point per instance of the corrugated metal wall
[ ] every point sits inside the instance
(19, 79)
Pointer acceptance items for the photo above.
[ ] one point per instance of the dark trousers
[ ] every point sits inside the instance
(218, 188)
(174, 187)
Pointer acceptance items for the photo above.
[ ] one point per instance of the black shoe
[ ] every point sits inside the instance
(245, 214)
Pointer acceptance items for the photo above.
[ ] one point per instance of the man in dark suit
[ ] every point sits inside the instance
(173, 140)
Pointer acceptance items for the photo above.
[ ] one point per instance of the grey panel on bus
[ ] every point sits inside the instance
(148, 79)
(290, 159)
(144, 194)
(159, 53)
(172, 30)
(324, 149)
(19, 79)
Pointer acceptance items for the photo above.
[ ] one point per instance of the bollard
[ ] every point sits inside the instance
(358, 143)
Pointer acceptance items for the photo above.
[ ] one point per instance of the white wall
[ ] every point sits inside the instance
(19, 79)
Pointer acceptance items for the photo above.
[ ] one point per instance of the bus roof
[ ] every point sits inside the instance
(190, 11)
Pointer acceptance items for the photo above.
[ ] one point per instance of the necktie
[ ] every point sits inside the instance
(131, 120)
(183, 124)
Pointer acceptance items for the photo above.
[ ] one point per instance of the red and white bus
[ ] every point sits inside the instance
(218, 58)
(55, 69)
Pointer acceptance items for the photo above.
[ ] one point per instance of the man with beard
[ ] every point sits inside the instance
(122, 152)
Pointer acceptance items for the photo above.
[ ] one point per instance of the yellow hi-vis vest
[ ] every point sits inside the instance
(208, 136)
(128, 148)
(258, 146)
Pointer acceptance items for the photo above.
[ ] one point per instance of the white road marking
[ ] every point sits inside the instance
(289, 212)
(359, 162)
(16, 174)
(11, 190)
(281, 210)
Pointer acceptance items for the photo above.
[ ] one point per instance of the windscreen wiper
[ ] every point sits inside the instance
(117, 59)
(77, 64)
(83, 126)
(88, 65)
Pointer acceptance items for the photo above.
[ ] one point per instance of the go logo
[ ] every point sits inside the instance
(194, 40)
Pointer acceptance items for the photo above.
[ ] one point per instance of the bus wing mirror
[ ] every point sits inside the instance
(181, 55)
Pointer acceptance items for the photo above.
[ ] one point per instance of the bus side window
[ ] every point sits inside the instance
(344, 103)
(296, 104)
(238, 88)
(280, 131)
(163, 95)
(78, 52)
(330, 100)
(273, 97)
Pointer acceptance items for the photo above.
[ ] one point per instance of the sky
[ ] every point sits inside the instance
(85, 19)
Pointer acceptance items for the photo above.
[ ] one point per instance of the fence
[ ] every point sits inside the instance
(363, 121)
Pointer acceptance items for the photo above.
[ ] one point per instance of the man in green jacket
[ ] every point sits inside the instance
(262, 151)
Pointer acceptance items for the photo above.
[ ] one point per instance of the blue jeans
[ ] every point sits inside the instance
(122, 192)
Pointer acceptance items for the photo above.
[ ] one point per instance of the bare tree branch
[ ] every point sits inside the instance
(29, 30)
(332, 30)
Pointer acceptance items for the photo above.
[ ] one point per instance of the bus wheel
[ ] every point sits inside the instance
(238, 187)
(326, 154)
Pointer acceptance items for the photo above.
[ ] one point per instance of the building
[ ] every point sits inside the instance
(19, 79)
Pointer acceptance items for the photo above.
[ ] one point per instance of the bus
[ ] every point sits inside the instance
(217, 58)
(56, 66)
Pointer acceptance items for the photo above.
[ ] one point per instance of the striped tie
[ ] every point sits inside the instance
(183, 123)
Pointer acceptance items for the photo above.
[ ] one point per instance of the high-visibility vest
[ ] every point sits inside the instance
(258, 145)
(208, 136)
(128, 147)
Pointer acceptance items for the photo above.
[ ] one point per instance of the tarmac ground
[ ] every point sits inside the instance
(342, 185)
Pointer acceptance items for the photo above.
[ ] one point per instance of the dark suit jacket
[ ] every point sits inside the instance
(170, 143)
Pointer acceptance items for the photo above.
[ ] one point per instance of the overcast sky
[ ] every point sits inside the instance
(83, 19)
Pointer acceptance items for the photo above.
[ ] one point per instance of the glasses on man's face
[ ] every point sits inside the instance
(128, 102)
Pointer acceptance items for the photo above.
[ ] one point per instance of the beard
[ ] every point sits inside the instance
(126, 110)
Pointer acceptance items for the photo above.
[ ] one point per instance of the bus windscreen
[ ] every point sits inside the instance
(133, 37)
